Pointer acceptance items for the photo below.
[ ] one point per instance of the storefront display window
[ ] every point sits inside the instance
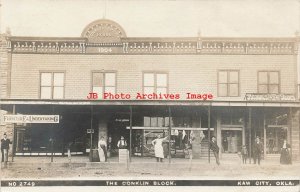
(275, 137)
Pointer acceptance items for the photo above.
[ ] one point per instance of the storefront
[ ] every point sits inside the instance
(189, 125)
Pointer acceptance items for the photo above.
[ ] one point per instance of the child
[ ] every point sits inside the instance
(244, 154)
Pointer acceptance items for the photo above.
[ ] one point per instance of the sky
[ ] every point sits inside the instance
(154, 18)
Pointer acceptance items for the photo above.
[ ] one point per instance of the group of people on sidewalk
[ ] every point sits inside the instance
(103, 147)
(285, 155)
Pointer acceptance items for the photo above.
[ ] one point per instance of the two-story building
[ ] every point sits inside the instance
(236, 89)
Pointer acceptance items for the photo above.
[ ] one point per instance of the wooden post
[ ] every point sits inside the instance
(170, 134)
(14, 137)
(289, 130)
(209, 134)
(265, 135)
(130, 138)
(143, 141)
(91, 140)
(52, 137)
(250, 130)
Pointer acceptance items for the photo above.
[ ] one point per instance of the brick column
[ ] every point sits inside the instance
(294, 124)
(4, 66)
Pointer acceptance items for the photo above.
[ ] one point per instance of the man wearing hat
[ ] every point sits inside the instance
(257, 150)
(4, 148)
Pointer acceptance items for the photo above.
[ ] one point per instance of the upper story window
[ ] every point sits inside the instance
(104, 82)
(155, 83)
(268, 82)
(228, 83)
(52, 85)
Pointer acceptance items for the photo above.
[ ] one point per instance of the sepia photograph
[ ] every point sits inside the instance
(150, 95)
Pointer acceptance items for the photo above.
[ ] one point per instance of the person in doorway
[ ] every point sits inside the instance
(244, 153)
(215, 148)
(158, 148)
(257, 150)
(4, 148)
(122, 144)
(102, 150)
(285, 156)
(225, 144)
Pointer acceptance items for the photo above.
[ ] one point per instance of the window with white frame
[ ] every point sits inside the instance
(52, 85)
(155, 83)
(228, 83)
(104, 82)
(268, 82)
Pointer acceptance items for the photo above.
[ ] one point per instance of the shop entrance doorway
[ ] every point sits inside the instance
(231, 141)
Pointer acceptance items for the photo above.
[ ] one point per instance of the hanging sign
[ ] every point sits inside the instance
(31, 118)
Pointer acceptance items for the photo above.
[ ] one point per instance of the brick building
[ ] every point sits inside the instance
(246, 88)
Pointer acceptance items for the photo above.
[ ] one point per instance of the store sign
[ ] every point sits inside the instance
(90, 130)
(269, 97)
(31, 118)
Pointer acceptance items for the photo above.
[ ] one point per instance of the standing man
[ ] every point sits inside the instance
(215, 148)
(4, 148)
(122, 144)
(257, 150)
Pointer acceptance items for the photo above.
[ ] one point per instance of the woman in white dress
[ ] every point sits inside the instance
(102, 150)
(158, 148)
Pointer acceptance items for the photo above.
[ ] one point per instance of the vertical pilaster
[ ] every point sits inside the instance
(219, 135)
(294, 126)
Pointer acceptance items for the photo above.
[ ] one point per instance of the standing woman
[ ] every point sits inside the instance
(158, 148)
(102, 145)
(285, 156)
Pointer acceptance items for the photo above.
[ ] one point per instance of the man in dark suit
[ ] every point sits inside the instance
(257, 150)
(4, 148)
(215, 148)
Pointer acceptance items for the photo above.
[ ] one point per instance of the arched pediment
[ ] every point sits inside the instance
(103, 31)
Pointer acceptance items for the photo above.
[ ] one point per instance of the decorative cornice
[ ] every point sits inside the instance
(222, 46)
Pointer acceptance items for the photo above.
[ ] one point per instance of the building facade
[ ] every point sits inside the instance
(236, 89)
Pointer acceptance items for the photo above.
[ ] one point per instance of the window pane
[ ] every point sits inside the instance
(58, 79)
(45, 92)
(263, 89)
(46, 79)
(233, 77)
(58, 92)
(262, 78)
(273, 89)
(153, 121)
(274, 77)
(97, 79)
(161, 80)
(233, 90)
(166, 121)
(160, 121)
(161, 90)
(148, 90)
(146, 121)
(223, 77)
(98, 90)
(111, 90)
(222, 90)
(110, 79)
(148, 79)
